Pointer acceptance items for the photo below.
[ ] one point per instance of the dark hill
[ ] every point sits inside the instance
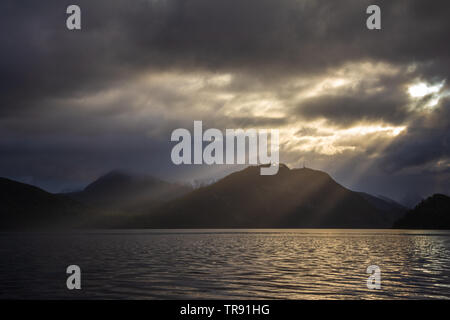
(23, 206)
(298, 198)
(431, 213)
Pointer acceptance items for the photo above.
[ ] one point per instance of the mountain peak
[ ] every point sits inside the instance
(256, 169)
(292, 198)
(119, 189)
(120, 179)
(116, 173)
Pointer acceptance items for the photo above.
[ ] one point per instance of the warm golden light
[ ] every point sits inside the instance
(422, 89)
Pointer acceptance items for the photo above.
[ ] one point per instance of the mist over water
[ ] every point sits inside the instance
(226, 264)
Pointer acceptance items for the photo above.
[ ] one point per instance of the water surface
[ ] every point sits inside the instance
(227, 264)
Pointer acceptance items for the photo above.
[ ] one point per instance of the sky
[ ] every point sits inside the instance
(369, 107)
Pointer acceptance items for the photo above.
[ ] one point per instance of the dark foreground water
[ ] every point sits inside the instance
(224, 264)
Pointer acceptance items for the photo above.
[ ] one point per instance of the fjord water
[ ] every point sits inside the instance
(226, 264)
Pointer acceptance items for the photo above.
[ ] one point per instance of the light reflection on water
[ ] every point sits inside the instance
(227, 264)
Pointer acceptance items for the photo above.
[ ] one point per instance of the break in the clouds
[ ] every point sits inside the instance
(370, 107)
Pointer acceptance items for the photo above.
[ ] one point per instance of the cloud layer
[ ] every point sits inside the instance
(76, 104)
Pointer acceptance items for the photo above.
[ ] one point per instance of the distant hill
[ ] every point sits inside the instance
(411, 199)
(26, 207)
(431, 213)
(297, 198)
(123, 191)
(389, 210)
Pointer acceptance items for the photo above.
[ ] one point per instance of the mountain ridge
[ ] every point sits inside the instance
(298, 198)
(294, 198)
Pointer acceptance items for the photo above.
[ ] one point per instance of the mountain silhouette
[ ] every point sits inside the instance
(25, 207)
(431, 213)
(293, 198)
(297, 198)
(122, 191)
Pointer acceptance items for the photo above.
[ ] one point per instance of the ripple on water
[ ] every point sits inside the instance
(215, 264)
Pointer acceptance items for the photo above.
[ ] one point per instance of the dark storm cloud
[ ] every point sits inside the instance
(263, 43)
(119, 38)
(389, 104)
(425, 143)
(66, 162)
